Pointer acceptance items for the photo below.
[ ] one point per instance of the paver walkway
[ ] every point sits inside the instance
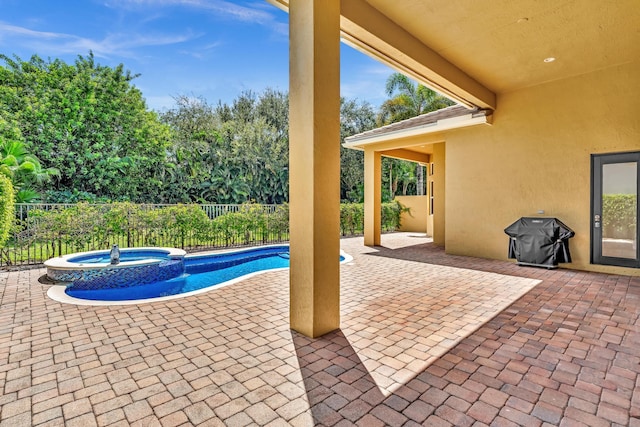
(413, 349)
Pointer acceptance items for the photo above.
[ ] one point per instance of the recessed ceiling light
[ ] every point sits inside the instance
(549, 59)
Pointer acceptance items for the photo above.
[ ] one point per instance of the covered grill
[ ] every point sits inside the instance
(541, 242)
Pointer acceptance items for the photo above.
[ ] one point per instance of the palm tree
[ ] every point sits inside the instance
(409, 99)
(406, 175)
(24, 170)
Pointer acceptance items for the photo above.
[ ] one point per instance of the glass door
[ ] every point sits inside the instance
(615, 180)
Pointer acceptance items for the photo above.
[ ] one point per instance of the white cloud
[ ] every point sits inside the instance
(8, 30)
(379, 70)
(119, 44)
(256, 14)
(233, 10)
(202, 52)
(218, 7)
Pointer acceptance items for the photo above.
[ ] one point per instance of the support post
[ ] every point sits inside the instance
(439, 184)
(314, 162)
(372, 197)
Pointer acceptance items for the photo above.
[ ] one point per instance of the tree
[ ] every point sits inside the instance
(273, 106)
(263, 146)
(230, 154)
(409, 100)
(193, 124)
(354, 118)
(87, 121)
(406, 175)
(24, 169)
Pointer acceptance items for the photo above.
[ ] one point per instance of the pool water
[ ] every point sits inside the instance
(125, 255)
(200, 272)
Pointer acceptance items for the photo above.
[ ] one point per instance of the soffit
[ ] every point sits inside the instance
(502, 44)
(423, 149)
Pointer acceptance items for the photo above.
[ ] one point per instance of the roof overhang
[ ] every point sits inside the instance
(366, 29)
(421, 126)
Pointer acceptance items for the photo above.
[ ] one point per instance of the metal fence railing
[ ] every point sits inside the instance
(43, 231)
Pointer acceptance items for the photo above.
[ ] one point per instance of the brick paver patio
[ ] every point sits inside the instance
(426, 338)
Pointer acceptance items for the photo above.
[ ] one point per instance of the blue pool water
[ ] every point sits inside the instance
(200, 272)
(125, 255)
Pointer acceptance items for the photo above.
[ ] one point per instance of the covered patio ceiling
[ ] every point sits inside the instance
(472, 50)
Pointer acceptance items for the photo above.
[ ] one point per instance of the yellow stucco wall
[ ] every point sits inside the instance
(416, 218)
(536, 156)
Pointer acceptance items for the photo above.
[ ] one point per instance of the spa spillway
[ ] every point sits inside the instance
(137, 266)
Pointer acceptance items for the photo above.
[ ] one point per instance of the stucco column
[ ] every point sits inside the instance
(372, 197)
(439, 162)
(314, 162)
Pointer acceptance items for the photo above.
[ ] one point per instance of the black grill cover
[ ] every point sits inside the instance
(539, 241)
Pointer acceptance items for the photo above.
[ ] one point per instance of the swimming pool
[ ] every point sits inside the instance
(201, 273)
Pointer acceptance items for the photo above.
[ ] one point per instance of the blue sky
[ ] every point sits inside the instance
(210, 48)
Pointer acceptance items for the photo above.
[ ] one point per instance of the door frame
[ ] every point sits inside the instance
(597, 161)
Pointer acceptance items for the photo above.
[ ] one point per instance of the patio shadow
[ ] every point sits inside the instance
(429, 253)
(338, 385)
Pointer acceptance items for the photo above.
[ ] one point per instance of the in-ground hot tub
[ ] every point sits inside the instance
(137, 266)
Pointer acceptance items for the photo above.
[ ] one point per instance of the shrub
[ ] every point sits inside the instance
(352, 217)
(249, 225)
(279, 222)
(7, 208)
(619, 215)
(391, 213)
(84, 226)
(72, 196)
(80, 226)
(188, 221)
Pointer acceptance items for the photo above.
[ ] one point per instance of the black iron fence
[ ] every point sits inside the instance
(43, 231)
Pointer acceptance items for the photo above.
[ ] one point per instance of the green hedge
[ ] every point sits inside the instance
(83, 227)
(619, 215)
(92, 226)
(87, 226)
(7, 209)
(352, 217)
(251, 225)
